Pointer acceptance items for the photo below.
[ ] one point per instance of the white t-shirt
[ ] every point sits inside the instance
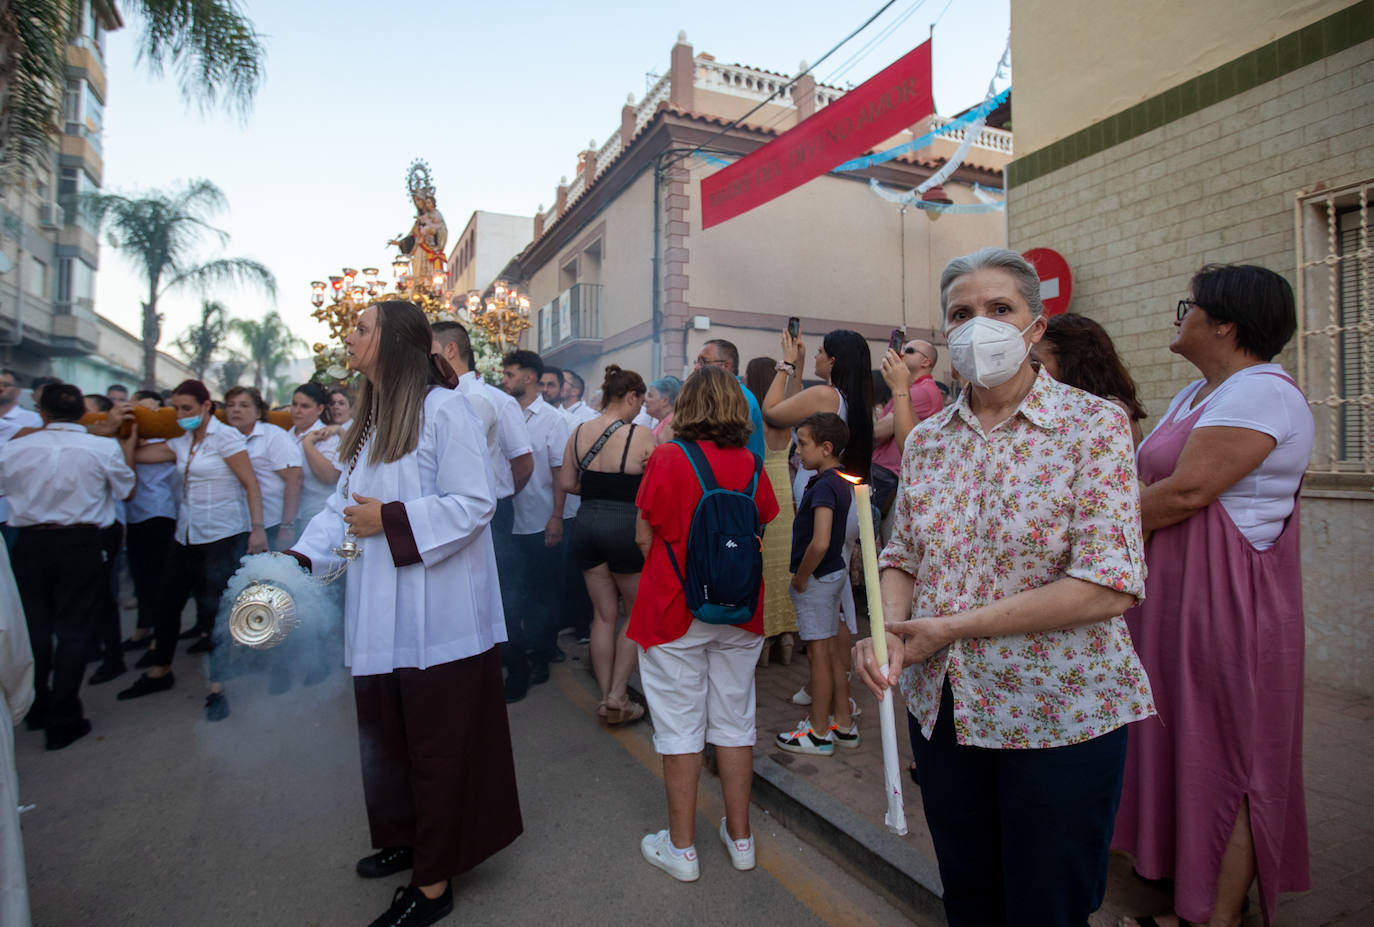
(213, 504)
(271, 449)
(548, 432)
(1257, 399)
(13, 420)
(314, 494)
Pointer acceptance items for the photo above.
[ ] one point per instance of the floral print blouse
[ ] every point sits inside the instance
(1050, 492)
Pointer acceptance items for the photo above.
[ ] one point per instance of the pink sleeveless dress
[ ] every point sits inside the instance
(1221, 636)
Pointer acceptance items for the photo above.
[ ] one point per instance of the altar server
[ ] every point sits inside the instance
(422, 616)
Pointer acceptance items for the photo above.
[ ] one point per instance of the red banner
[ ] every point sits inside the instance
(877, 109)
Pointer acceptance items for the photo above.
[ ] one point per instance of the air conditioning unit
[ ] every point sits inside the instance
(50, 215)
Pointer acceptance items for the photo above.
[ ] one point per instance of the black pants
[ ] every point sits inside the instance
(61, 577)
(147, 542)
(538, 595)
(1021, 836)
(200, 570)
(576, 603)
(106, 634)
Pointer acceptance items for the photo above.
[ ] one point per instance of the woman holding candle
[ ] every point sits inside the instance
(1016, 546)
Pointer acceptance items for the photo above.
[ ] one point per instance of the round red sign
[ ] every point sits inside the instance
(1056, 282)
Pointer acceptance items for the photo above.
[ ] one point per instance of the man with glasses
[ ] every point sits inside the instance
(12, 419)
(925, 399)
(721, 353)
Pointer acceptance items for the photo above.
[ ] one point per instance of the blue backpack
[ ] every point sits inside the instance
(724, 575)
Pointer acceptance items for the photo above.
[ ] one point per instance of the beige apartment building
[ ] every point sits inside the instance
(621, 271)
(1153, 139)
(484, 248)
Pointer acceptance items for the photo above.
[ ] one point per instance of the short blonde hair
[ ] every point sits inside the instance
(712, 407)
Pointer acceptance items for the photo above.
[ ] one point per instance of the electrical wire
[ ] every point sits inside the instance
(787, 86)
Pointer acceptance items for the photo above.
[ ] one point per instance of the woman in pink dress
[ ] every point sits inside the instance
(1213, 790)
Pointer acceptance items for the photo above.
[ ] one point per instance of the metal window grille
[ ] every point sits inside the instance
(1336, 324)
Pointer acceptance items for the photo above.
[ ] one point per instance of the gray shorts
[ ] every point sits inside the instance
(818, 608)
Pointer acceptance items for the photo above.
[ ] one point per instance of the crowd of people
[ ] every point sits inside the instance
(690, 529)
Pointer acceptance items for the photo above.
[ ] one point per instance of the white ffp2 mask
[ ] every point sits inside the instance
(987, 352)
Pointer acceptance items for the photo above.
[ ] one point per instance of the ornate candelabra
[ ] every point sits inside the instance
(503, 316)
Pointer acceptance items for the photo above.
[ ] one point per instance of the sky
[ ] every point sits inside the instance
(498, 98)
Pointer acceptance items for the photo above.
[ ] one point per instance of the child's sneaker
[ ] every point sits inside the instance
(849, 739)
(741, 851)
(805, 740)
(659, 851)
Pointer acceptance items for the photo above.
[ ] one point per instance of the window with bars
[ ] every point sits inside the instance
(1336, 324)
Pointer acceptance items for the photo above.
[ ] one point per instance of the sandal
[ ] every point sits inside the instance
(623, 712)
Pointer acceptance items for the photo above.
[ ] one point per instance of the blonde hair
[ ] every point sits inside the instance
(392, 408)
(712, 407)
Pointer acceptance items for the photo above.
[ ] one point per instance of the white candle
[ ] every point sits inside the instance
(892, 782)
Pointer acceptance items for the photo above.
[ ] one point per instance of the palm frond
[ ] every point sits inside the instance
(33, 71)
(225, 270)
(210, 45)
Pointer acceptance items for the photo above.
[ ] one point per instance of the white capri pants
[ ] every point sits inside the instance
(700, 688)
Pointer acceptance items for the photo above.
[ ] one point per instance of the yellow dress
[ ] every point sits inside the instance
(778, 615)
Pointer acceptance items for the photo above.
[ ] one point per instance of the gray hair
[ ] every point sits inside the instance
(1020, 269)
(666, 387)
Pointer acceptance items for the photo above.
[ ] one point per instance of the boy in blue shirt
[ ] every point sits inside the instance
(818, 576)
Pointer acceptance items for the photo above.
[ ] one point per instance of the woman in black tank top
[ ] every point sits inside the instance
(603, 463)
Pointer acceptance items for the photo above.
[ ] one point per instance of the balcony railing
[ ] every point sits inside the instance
(575, 315)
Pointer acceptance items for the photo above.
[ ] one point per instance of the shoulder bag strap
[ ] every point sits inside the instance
(587, 458)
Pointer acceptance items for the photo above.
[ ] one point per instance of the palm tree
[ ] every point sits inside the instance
(156, 233)
(231, 370)
(268, 344)
(199, 343)
(212, 47)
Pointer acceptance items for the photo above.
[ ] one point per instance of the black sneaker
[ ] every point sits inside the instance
(539, 674)
(216, 707)
(147, 685)
(410, 908)
(386, 861)
(59, 736)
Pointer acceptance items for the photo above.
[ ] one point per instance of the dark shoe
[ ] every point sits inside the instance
(107, 672)
(386, 861)
(67, 734)
(147, 685)
(410, 908)
(137, 643)
(216, 707)
(36, 719)
(516, 688)
(539, 674)
(279, 681)
(315, 675)
(147, 660)
(204, 645)
(191, 633)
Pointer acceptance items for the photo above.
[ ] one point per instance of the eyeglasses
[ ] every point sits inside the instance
(1184, 305)
(703, 362)
(912, 350)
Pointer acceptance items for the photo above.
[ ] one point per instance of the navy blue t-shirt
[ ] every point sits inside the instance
(827, 490)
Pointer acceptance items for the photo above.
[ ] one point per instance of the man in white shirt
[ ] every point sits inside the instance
(573, 389)
(551, 387)
(12, 418)
(538, 532)
(62, 483)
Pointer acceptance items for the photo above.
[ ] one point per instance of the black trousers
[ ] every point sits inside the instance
(200, 570)
(576, 603)
(537, 603)
(61, 577)
(1021, 836)
(147, 542)
(106, 634)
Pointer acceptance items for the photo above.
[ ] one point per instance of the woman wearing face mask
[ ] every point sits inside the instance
(220, 517)
(310, 418)
(1016, 547)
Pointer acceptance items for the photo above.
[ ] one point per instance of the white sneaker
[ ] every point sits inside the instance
(804, 739)
(658, 850)
(848, 739)
(741, 851)
(802, 697)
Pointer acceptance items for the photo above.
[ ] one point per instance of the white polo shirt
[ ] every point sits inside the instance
(13, 420)
(213, 504)
(505, 434)
(64, 475)
(271, 449)
(548, 431)
(314, 494)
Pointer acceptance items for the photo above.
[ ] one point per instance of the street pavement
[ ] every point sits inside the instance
(160, 818)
